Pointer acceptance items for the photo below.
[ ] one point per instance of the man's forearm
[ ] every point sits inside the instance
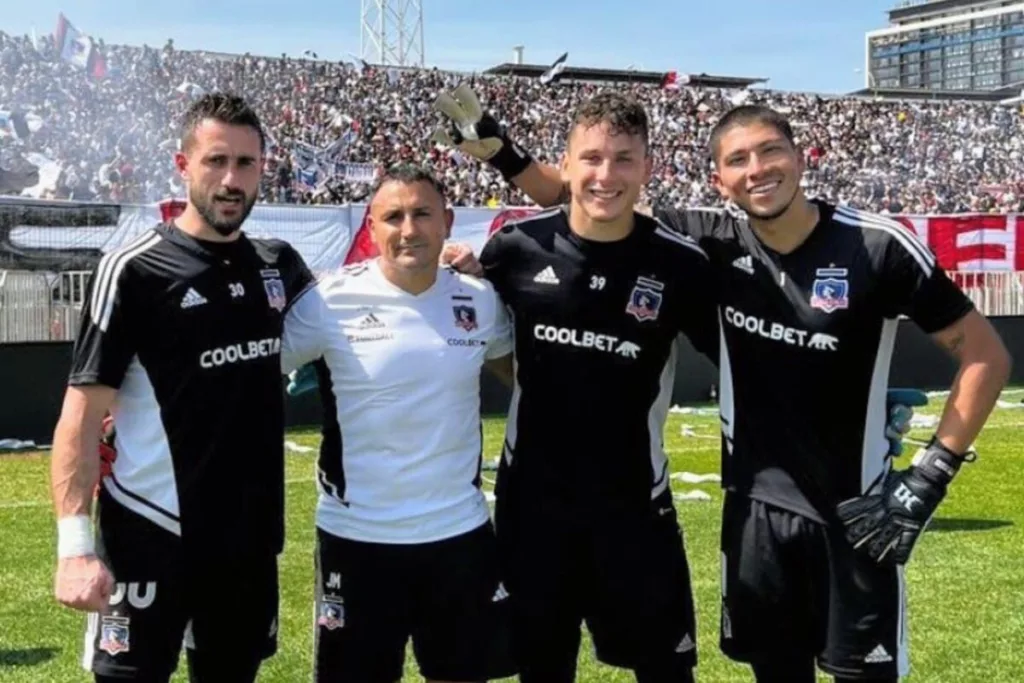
(75, 460)
(543, 184)
(984, 371)
(972, 397)
(74, 468)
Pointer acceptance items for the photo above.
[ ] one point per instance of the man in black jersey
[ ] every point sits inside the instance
(585, 518)
(180, 340)
(817, 524)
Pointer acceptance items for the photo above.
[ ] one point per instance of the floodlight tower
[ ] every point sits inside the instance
(392, 32)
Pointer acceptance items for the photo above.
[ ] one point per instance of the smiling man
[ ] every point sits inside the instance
(405, 545)
(817, 524)
(585, 517)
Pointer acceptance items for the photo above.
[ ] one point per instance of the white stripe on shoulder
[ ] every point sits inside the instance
(885, 222)
(661, 231)
(103, 269)
(910, 242)
(543, 213)
(109, 272)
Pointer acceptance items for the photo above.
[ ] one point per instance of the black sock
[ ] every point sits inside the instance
(843, 679)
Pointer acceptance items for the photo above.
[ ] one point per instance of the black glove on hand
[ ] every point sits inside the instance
(886, 525)
(477, 133)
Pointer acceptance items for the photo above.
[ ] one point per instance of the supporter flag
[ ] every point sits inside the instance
(77, 48)
(555, 70)
(670, 81)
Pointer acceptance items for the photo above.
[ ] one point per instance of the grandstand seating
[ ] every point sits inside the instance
(332, 123)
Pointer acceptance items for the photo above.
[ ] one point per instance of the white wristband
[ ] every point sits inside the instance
(74, 537)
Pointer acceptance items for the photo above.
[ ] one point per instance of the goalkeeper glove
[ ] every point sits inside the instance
(108, 454)
(478, 134)
(302, 380)
(886, 525)
(899, 407)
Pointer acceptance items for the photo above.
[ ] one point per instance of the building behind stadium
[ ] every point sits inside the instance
(963, 49)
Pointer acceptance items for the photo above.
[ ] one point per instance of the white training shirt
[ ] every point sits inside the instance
(404, 378)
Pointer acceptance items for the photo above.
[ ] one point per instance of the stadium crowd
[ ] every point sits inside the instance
(113, 138)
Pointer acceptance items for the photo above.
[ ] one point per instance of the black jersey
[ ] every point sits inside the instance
(189, 333)
(595, 328)
(807, 342)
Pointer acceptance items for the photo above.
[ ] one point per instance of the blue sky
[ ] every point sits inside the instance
(797, 44)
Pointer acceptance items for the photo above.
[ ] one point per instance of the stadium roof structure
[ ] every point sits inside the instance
(995, 95)
(582, 73)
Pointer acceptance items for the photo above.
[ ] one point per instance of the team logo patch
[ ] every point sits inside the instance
(332, 613)
(645, 299)
(830, 291)
(114, 635)
(465, 317)
(275, 293)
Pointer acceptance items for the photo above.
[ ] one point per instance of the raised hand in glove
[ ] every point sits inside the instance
(887, 524)
(477, 133)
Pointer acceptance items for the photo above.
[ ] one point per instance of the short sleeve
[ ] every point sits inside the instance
(493, 259)
(500, 343)
(695, 223)
(915, 285)
(305, 330)
(297, 276)
(105, 344)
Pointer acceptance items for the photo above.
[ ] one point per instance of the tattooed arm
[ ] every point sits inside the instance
(984, 370)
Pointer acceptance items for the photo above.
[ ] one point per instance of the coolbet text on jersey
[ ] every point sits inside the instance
(807, 340)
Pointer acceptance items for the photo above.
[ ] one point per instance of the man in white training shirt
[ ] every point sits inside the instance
(405, 545)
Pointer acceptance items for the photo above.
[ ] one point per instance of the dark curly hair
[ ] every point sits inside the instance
(623, 114)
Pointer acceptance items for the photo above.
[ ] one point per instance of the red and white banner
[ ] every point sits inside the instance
(330, 236)
(974, 242)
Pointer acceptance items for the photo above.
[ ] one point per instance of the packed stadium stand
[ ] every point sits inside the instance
(331, 124)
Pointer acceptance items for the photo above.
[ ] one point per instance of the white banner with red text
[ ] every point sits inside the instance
(41, 234)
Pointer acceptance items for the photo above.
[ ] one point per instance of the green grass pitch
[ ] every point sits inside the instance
(966, 579)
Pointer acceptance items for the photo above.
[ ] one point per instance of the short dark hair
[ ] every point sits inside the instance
(623, 114)
(408, 174)
(745, 115)
(223, 107)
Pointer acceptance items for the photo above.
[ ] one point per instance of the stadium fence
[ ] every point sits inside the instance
(49, 249)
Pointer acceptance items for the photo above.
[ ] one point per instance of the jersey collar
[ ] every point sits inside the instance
(375, 271)
(642, 227)
(208, 251)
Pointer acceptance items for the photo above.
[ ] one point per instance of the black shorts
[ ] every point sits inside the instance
(626, 577)
(795, 588)
(161, 602)
(447, 596)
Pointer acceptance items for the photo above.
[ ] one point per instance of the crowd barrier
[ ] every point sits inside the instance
(49, 248)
